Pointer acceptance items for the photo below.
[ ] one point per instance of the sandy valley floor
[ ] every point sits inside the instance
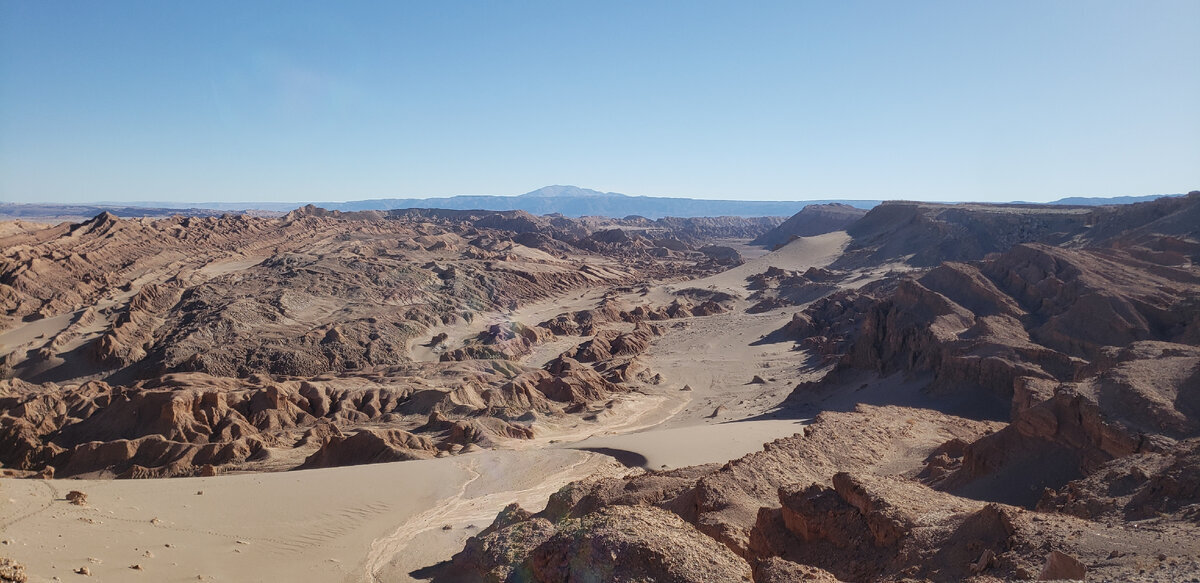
(382, 522)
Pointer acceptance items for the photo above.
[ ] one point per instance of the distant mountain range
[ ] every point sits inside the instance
(571, 201)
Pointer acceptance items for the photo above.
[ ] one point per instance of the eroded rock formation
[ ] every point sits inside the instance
(1057, 387)
(192, 345)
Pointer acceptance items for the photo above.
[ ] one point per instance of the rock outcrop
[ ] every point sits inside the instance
(823, 505)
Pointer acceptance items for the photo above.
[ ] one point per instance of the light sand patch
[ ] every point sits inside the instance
(38, 330)
(798, 255)
(313, 525)
(225, 266)
(716, 358)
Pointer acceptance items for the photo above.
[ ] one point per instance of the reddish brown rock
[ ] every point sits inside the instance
(633, 543)
(1061, 566)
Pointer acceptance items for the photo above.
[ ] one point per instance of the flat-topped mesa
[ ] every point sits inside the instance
(925, 234)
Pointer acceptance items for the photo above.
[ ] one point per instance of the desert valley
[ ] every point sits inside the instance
(918, 391)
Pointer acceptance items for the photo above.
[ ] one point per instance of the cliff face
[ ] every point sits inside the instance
(1090, 353)
(1035, 310)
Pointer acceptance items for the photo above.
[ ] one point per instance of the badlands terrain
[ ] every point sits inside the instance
(915, 392)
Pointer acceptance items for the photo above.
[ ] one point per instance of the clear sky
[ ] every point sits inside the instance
(328, 101)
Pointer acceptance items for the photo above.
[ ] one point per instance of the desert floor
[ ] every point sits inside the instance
(385, 522)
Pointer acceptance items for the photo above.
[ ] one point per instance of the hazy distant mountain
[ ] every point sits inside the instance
(569, 191)
(573, 201)
(1099, 200)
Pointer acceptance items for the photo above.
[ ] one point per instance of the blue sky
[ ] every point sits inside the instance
(312, 101)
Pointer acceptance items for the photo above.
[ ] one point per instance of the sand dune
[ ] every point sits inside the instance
(798, 255)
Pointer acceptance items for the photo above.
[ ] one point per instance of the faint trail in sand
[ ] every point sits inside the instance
(40, 507)
(383, 549)
(458, 508)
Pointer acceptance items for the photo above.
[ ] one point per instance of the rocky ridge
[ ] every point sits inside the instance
(1055, 437)
(191, 346)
